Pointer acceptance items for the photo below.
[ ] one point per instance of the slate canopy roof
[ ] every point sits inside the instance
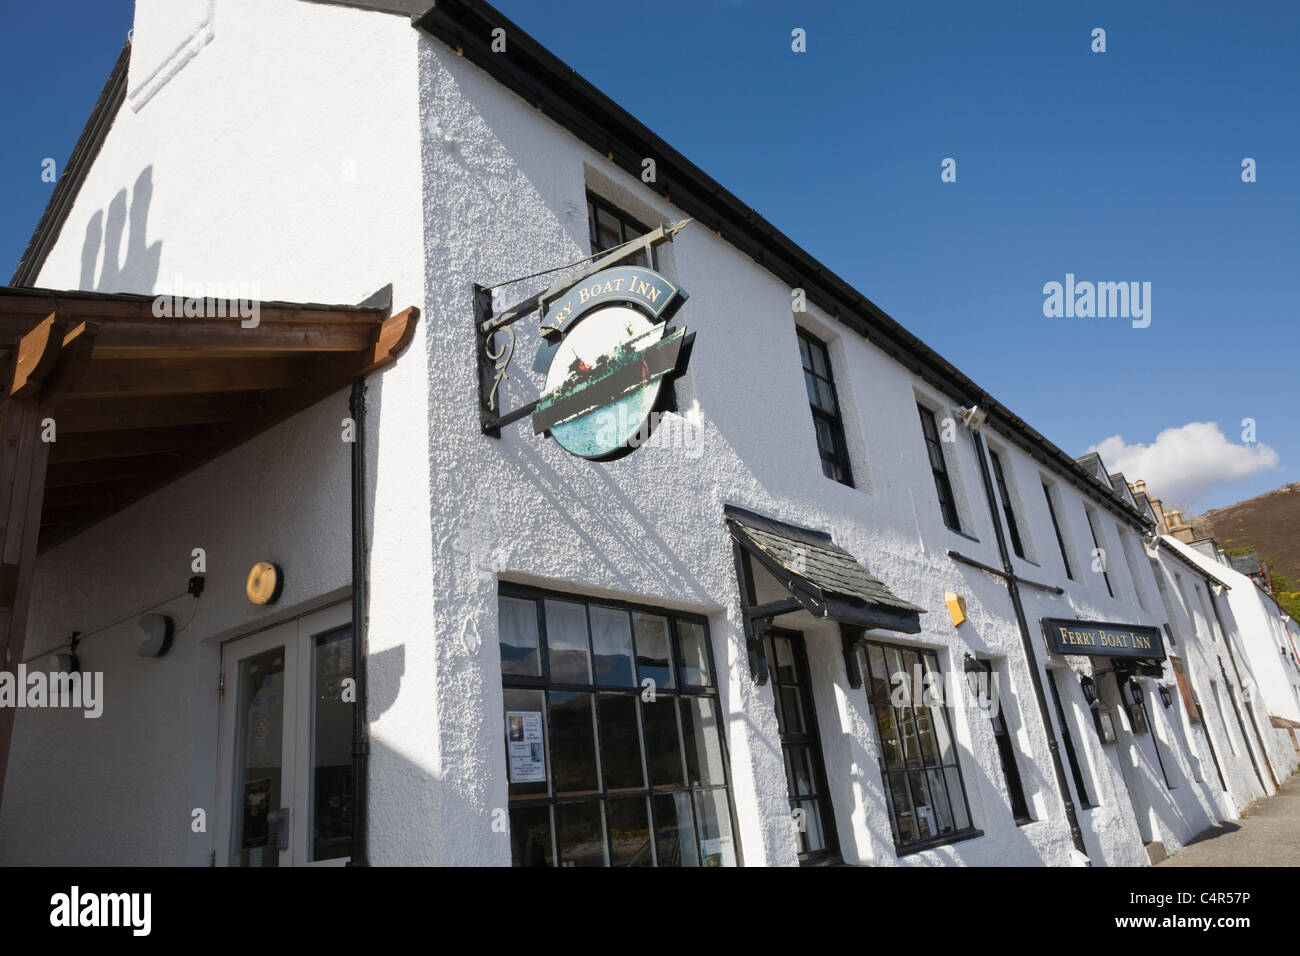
(826, 579)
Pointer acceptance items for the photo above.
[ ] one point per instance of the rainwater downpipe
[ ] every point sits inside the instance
(360, 743)
(1013, 588)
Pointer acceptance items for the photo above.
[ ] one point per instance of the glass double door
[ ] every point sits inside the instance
(285, 744)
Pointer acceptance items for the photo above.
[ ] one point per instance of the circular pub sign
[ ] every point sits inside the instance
(608, 357)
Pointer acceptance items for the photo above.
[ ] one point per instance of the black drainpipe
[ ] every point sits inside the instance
(1013, 588)
(360, 745)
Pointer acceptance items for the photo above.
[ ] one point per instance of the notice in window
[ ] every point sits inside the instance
(524, 746)
(718, 852)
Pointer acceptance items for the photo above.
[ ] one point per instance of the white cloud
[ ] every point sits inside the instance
(1186, 462)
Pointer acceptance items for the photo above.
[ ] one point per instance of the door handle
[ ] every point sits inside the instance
(281, 819)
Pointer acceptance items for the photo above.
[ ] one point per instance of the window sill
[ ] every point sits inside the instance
(963, 534)
(1026, 821)
(959, 837)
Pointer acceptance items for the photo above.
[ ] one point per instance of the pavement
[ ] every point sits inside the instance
(1268, 835)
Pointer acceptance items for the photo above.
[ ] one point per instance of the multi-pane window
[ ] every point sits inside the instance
(1012, 528)
(1006, 751)
(942, 484)
(825, 409)
(613, 735)
(1099, 553)
(918, 756)
(1056, 526)
(801, 750)
(609, 227)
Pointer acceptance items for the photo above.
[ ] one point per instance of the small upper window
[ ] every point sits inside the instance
(1056, 526)
(825, 409)
(1012, 528)
(942, 484)
(609, 227)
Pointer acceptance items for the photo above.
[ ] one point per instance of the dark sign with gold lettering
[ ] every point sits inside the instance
(1103, 640)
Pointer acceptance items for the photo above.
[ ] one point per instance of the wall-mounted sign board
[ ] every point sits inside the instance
(609, 353)
(1103, 640)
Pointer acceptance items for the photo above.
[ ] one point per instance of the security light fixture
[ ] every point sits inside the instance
(1166, 695)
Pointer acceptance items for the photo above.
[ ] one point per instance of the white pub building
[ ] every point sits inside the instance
(426, 464)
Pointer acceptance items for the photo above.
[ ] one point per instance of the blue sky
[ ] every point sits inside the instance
(1115, 166)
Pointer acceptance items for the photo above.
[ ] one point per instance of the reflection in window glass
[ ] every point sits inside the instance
(573, 738)
(566, 642)
(620, 742)
(611, 642)
(717, 847)
(654, 659)
(530, 836)
(695, 656)
(580, 832)
(331, 803)
(629, 832)
(675, 830)
(700, 733)
(663, 752)
(517, 627)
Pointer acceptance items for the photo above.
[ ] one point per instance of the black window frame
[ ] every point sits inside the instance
(680, 691)
(809, 737)
(629, 228)
(1096, 543)
(1012, 528)
(835, 461)
(939, 468)
(1019, 802)
(1056, 526)
(970, 831)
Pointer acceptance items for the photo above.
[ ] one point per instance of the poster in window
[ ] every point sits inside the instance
(718, 852)
(524, 746)
(257, 800)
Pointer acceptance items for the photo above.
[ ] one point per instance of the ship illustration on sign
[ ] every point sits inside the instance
(605, 375)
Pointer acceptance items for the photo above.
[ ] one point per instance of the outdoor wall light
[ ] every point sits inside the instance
(153, 635)
(1089, 687)
(1166, 695)
(265, 583)
(1134, 691)
(975, 666)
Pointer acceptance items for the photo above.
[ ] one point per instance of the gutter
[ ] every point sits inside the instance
(1036, 678)
(360, 742)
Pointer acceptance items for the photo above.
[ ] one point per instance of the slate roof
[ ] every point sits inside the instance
(815, 559)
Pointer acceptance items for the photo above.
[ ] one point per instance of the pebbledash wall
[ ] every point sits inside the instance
(322, 152)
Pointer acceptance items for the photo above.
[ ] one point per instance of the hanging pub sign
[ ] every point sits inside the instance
(609, 353)
(1103, 640)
